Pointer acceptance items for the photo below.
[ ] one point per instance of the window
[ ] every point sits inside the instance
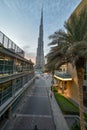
(5, 91)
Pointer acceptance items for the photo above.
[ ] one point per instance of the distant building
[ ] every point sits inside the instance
(40, 49)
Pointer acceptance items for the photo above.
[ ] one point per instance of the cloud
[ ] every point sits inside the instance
(31, 56)
(26, 47)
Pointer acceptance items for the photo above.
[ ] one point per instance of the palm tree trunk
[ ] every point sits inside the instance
(52, 78)
(80, 74)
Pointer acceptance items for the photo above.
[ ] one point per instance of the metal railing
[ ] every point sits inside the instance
(9, 44)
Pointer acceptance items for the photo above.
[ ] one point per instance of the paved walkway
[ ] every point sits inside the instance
(59, 120)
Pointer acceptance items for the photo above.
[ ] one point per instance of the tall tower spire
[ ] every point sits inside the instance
(40, 48)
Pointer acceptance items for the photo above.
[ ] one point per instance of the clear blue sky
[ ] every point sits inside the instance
(20, 20)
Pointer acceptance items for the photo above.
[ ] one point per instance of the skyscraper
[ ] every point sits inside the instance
(40, 48)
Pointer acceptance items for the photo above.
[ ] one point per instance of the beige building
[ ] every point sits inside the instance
(67, 78)
(67, 82)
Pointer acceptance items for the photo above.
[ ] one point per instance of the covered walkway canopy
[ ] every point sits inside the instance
(64, 79)
(63, 76)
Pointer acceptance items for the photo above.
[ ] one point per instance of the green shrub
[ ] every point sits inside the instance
(66, 106)
(54, 89)
(75, 126)
(85, 115)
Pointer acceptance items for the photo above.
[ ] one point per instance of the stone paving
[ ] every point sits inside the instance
(59, 119)
(29, 115)
(28, 123)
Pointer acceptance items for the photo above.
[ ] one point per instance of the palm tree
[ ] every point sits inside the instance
(72, 45)
(56, 55)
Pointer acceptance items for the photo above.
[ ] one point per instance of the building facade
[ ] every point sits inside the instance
(40, 49)
(68, 81)
(16, 73)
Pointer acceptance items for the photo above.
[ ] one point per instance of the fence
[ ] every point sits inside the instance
(9, 44)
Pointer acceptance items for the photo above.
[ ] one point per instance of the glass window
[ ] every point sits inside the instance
(5, 91)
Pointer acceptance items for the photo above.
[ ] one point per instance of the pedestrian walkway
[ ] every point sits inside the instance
(59, 119)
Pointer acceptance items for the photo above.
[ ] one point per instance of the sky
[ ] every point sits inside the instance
(20, 21)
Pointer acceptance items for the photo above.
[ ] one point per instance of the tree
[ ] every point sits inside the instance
(72, 46)
(56, 56)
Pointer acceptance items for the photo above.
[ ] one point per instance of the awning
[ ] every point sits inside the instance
(63, 76)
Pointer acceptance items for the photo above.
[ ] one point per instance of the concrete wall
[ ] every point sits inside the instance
(72, 87)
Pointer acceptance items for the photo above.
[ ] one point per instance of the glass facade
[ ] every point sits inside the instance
(8, 89)
(15, 72)
(9, 65)
(5, 92)
(6, 64)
